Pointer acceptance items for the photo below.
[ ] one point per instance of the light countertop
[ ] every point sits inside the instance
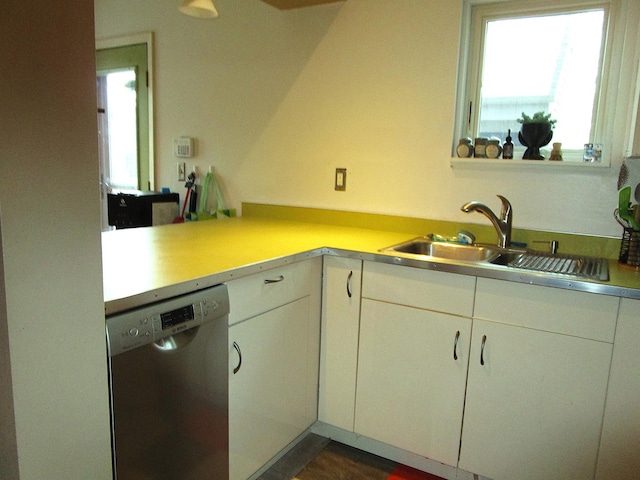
(142, 265)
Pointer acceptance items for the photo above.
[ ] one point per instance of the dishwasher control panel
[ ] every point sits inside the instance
(150, 324)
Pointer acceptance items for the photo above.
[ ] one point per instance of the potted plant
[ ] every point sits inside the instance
(536, 132)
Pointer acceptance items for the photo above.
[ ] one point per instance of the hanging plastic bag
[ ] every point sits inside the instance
(220, 211)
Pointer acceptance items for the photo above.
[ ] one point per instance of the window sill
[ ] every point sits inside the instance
(487, 163)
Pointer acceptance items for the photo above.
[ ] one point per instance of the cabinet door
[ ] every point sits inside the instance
(269, 392)
(339, 341)
(534, 403)
(411, 378)
(620, 447)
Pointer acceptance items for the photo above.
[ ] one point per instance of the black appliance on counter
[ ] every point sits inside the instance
(134, 208)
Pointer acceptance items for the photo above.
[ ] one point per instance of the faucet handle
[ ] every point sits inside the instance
(506, 209)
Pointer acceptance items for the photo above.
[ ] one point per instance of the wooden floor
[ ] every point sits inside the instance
(295, 460)
(341, 462)
(318, 458)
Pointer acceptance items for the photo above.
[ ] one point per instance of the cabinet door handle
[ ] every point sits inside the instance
(273, 280)
(484, 340)
(236, 369)
(349, 283)
(455, 345)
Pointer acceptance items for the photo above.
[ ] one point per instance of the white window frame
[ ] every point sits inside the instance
(614, 118)
(135, 39)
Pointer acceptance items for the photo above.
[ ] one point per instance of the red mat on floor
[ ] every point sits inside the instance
(402, 472)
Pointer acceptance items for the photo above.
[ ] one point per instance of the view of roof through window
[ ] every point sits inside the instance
(541, 63)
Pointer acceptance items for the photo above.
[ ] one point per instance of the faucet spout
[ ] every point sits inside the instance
(502, 224)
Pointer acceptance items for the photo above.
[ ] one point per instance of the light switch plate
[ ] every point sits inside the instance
(341, 179)
(181, 168)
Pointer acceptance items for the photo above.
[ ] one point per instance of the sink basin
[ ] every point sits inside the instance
(424, 246)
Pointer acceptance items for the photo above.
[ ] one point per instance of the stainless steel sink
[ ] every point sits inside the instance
(425, 246)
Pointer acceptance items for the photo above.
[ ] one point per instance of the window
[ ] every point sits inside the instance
(117, 122)
(523, 56)
(123, 97)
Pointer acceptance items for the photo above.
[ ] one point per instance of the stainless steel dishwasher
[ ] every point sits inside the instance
(169, 388)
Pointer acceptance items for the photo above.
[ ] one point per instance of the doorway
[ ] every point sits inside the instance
(123, 80)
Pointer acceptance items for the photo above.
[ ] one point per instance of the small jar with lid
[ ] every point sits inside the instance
(493, 149)
(588, 155)
(480, 147)
(464, 148)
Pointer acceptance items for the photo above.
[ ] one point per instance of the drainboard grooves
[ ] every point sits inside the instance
(586, 267)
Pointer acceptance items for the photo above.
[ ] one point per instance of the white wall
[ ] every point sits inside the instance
(52, 275)
(220, 80)
(282, 98)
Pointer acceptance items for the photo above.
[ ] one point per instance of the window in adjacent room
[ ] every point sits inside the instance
(125, 126)
(530, 58)
(118, 127)
(123, 97)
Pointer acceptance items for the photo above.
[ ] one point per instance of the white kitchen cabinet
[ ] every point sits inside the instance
(412, 361)
(273, 353)
(411, 378)
(538, 371)
(620, 445)
(339, 341)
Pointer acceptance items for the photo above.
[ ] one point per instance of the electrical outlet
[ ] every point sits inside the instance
(181, 169)
(341, 179)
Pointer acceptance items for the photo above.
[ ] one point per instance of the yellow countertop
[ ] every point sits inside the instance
(146, 264)
(141, 260)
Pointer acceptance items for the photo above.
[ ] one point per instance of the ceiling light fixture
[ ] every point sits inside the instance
(199, 8)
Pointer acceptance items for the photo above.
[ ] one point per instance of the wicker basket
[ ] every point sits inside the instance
(630, 248)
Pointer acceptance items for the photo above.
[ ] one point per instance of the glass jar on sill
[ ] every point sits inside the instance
(480, 147)
(464, 148)
(493, 149)
(592, 152)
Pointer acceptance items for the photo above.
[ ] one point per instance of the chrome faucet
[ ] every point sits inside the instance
(502, 224)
